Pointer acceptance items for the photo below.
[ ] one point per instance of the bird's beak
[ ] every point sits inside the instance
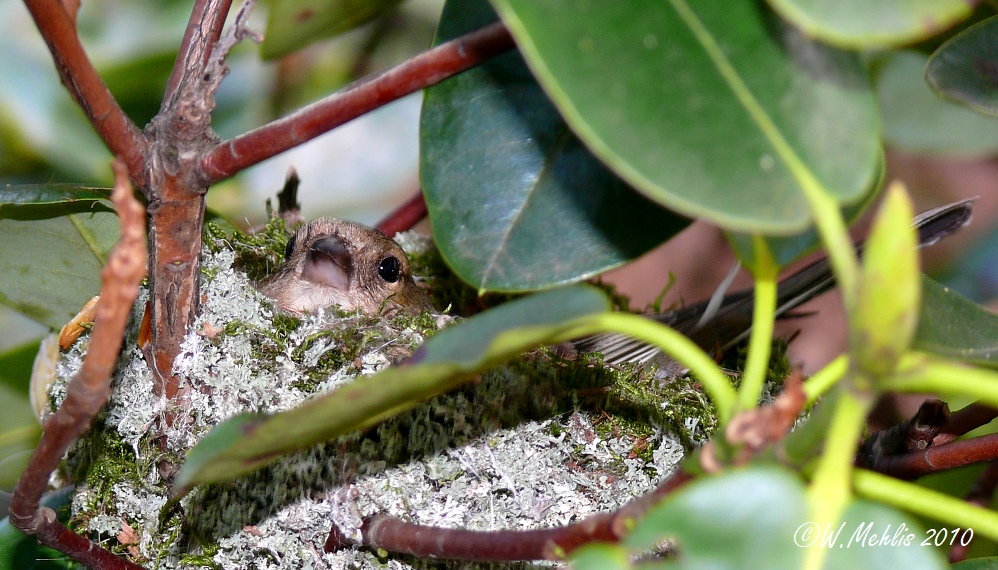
(329, 263)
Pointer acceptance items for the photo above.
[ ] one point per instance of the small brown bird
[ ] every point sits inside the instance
(335, 262)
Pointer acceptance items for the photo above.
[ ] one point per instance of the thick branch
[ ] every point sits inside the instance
(428, 68)
(396, 535)
(405, 216)
(203, 30)
(89, 389)
(117, 131)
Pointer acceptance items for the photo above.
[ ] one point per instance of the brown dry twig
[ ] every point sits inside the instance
(396, 535)
(89, 388)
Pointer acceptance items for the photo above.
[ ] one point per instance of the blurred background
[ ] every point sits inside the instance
(363, 169)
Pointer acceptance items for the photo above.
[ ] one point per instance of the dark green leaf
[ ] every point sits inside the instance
(990, 563)
(717, 110)
(19, 551)
(294, 24)
(953, 326)
(916, 119)
(246, 442)
(862, 24)
(36, 194)
(965, 68)
(517, 202)
(52, 257)
(15, 366)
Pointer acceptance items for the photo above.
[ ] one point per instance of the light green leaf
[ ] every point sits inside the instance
(52, 257)
(37, 194)
(246, 442)
(953, 326)
(716, 110)
(864, 24)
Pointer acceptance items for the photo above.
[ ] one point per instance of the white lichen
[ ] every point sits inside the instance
(445, 463)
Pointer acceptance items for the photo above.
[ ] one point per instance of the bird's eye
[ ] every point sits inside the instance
(290, 248)
(389, 269)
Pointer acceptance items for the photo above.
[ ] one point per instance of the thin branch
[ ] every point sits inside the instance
(405, 216)
(965, 420)
(114, 127)
(203, 30)
(89, 389)
(428, 68)
(396, 535)
(939, 458)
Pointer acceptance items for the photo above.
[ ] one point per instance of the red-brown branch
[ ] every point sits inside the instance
(114, 127)
(939, 458)
(89, 389)
(203, 30)
(396, 535)
(428, 68)
(405, 216)
(965, 420)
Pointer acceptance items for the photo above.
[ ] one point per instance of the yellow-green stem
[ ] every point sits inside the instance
(830, 487)
(677, 346)
(926, 502)
(763, 316)
(824, 379)
(923, 373)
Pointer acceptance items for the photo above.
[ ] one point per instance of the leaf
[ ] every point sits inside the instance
(883, 321)
(730, 521)
(52, 257)
(916, 119)
(19, 429)
(965, 68)
(294, 24)
(517, 202)
(245, 442)
(715, 110)
(953, 326)
(877, 536)
(864, 24)
(37, 194)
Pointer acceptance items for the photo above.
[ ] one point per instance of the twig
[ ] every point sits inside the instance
(203, 30)
(396, 535)
(965, 420)
(89, 389)
(405, 216)
(911, 435)
(939, 458)
(428, 68)
(113, 126)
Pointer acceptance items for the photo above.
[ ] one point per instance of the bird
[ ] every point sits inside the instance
(329, 262)
(726, 319)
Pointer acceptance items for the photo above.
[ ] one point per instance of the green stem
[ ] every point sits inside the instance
(763, 317)
(830, 487)
(822, 380)
(923, 373)
(677, 346)
(926, 502)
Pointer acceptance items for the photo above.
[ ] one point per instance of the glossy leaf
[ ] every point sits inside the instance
(246, 442)
(517, 202)
(294, 24)
(52, 257)
(716, 110)
(916, 119)
(953, 326)
(36, 194)
(864, 24)
(883, 321)
(965, 68)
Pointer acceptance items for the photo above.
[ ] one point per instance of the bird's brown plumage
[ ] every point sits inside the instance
(335, 262)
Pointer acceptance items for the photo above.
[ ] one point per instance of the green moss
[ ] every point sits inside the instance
(257, 254)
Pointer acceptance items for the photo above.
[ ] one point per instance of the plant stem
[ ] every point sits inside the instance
(204, 28)
(926, 502)
(405, 216)
(830, 487)
(677, 346)
(822, 380)
(113, 126)
(922, 373)
(763, 318)
(428, 68)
